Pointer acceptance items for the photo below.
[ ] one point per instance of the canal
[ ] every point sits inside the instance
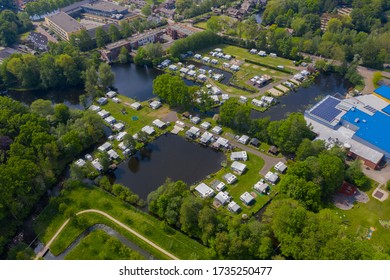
(299, 100)
(169, 156)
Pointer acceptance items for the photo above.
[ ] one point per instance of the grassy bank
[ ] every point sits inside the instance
(81, 198)
(98, 245)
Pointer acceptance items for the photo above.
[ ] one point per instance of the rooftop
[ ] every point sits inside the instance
(383, 91)
(66, 22)
(374, 129)
(326, 110)
(105, 6)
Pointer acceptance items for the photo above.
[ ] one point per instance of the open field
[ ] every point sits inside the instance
(201, 24)
(365, 215)
(78, 199)
(98, 245)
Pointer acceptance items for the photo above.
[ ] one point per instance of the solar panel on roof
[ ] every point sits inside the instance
(369, 108)
(327, 109)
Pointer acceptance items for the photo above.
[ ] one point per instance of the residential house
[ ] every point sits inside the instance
(80, 162)
(159, 124)
(234, 207)
(110, 120)
(195, 120)
(239, 156)
(136, 106)
(155, 104)
(271, 177)
(206, 138)
(244, 139)
(204, 191)
(103, 114)
(229, 178)
(119, 126)
(121, 136)
(217, 130)
(96, 164)
(148, 130)
(218, 185)
(193, 132)
(238, 167)
(110, 94)
(280, 167)
(205, 125)
(113, 155)
(94, 108)
(102, 100)
(105, 147)
(261, 187)
(222, 198)
(247, 198)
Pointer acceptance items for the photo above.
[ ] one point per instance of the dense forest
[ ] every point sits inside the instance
(11, 25)
(36, 144)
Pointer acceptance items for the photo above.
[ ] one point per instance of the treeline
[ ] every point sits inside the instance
(189, 8)
(37, 143)
(287, 230)
(194, 42)
(11, 25)
(41, 7)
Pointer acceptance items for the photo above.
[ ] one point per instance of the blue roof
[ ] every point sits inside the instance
(374, 129)
(386, 109)
(326, 109)
(383, 91)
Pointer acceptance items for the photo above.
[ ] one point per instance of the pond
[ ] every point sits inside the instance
(136, 81)
(302, 98)
(169, 156)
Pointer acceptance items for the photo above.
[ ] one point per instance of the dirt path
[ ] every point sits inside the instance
(46, 248)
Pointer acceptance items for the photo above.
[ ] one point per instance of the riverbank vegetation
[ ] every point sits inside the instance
(36, 145)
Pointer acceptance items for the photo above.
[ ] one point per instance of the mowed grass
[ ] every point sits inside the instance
(245, 183)
(365, 215)
(201, 24)
(98, 245)
(78, 199)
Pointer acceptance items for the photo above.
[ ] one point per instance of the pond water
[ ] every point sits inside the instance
(137, 81)
(259, 17)
(169, 156)
(302, 98)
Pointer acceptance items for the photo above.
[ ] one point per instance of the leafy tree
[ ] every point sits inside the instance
(189, 211)
(50, 73)
(69, 69)
(172, 90)
(129, 141)
(146, 10)
(106, 76)
(355, 175)
(309, 148)
(126, 30)
(124, 56)
(288, 134)
(114, 34)
(235, 115)
(91, 81)
(376, 78)
(104, 161)
(61, 113)
(102, 37)
(42, 107)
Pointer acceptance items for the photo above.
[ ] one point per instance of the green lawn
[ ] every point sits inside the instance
(98, 245)
(244, 184)
(201, 24)
(365, 215)
(77, 199)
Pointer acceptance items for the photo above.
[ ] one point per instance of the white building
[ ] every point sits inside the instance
(234, 207)
(155, 104)
(119, 126)
(96, 164)
(206, 137)
(121, 136)
(261, 187)
(136, 106)
(103, 113)
(105, 147)
(112, 154)
(238, 167)
(159, 124)
(94, 108)
(222, 198)
(204, 191)
(218, 185)
(195, 120)
(193, 132)
(280, 167)
(247, 198)
(244, 139)
(217, 130)
(111, 94)
(230, 178)
(205, 125)
(239, 156)
(80, 162)
(148, 130)
(110, 120)
(271, 177)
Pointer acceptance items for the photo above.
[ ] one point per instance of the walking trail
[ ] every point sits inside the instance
(46, 248)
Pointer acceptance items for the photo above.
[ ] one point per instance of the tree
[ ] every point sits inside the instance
(309, 148)
(102, 37)
(189, 211)
(42, 107)
(235, 115)
(69, 69)
(106, 76)
(355, 175)
(376, 78)
(124, 56)
(172, 90)
(129, 141)
(91, 81)
(50, 73)
(288, 134)
(104, 161)
(332, 173)
(146, 10)
(126, 30)
(113, 33)
(61, 113)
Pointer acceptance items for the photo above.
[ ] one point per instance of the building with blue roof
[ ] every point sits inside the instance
(383, 92)
(371, 130)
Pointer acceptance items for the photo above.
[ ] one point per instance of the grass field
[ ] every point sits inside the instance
(244, 184)
(365, 215)
(77, 199)
(98, 245)
(201, 24)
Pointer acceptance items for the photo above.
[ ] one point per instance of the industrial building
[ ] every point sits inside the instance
(361, 124)
(63, 25)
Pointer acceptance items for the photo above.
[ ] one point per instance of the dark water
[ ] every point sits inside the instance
(136, 81)
(259, 17)
(300, 100)
(170, 156)
(69, 97)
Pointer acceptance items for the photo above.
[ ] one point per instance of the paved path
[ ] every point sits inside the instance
(46, 248)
